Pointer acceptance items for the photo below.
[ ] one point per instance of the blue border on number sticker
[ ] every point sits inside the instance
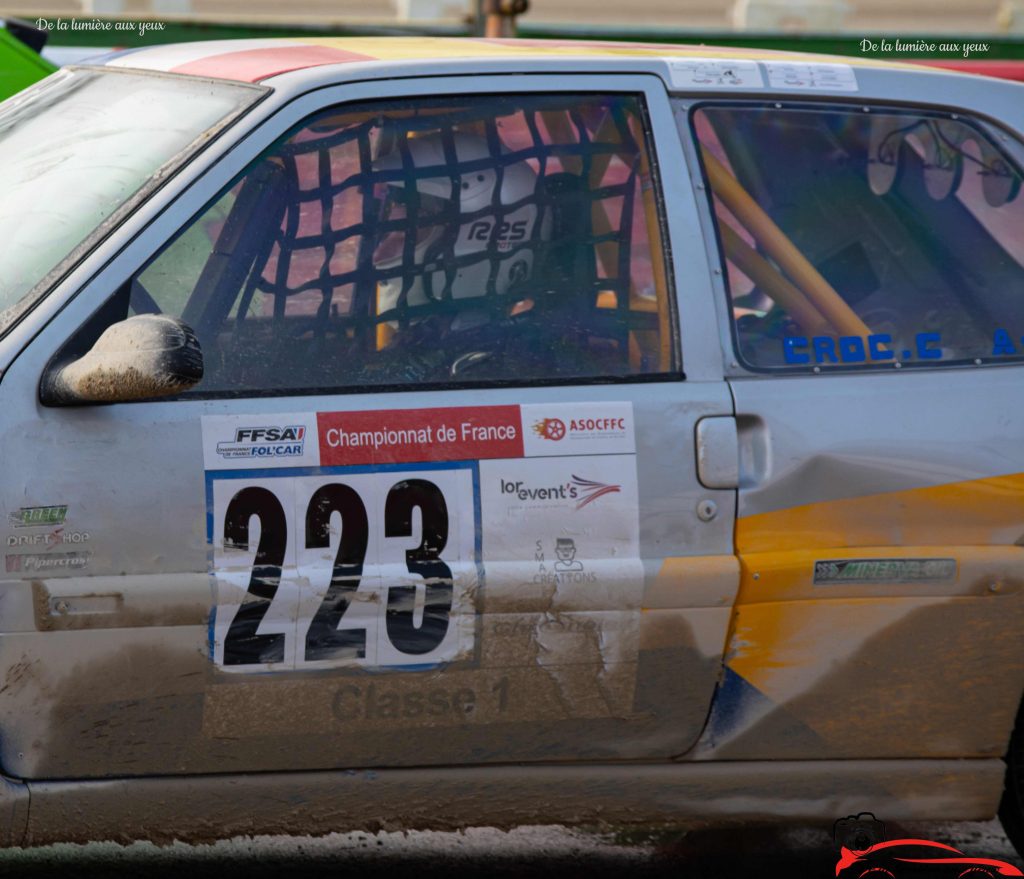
(277, 472)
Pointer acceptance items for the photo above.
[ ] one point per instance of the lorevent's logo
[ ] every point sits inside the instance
(583, 491)
(589, 490)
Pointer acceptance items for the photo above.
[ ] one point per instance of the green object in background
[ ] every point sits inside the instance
(20, 67)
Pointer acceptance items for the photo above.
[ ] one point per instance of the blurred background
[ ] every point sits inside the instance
(854, 16)
(829, 26)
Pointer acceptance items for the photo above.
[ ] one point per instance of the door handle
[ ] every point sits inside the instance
(718, 452)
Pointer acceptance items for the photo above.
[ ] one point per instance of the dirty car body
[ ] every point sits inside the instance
(438, 432)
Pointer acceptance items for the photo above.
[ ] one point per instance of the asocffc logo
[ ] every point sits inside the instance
(265, 441)
(550, 428)
(556, 429)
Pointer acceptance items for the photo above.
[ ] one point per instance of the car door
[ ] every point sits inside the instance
(436, 498)
(874, 269)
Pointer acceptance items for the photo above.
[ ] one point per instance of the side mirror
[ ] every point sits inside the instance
(149, 355)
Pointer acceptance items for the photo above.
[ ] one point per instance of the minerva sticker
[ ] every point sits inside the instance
(884, 571)
(375, 539)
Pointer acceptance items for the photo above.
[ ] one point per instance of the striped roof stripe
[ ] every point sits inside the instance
(256, 60)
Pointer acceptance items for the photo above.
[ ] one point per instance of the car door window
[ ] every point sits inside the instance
(865, 237)
(488, 239)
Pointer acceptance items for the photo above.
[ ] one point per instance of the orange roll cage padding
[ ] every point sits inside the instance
(767, 278)
(778, 246)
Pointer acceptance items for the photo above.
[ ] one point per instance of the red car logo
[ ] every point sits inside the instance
(901, 858)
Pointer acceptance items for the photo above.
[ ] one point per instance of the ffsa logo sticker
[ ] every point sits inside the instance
(265, 442)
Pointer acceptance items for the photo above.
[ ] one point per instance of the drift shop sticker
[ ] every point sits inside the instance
(49, 540)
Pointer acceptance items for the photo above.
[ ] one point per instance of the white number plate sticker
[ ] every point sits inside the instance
(359, 539)
(374, 569)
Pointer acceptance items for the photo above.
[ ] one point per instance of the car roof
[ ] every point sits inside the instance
(257, 60)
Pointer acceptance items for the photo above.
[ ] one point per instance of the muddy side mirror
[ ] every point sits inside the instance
(149, 355)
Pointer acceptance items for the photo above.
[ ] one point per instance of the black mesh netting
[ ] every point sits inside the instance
(563, 242)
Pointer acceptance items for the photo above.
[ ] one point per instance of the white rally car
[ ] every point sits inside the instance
(461, 431)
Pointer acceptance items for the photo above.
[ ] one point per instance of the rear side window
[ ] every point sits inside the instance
(430, 242)
(861, 237)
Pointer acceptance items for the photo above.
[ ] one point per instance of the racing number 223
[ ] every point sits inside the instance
(244, 646)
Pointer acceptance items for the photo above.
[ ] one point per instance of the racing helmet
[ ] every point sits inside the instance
(454, 217)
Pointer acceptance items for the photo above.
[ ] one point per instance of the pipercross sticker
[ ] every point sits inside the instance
(30, 562)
